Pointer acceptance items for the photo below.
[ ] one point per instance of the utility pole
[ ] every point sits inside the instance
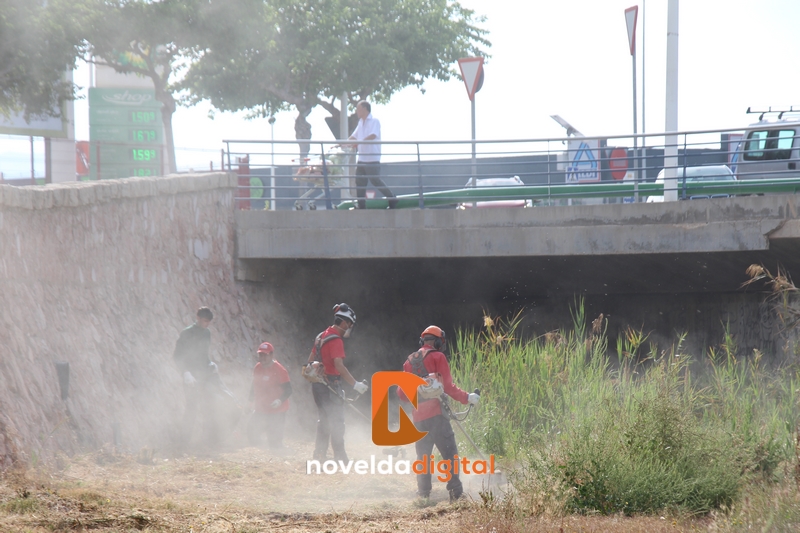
(671, 107)
(631, 14)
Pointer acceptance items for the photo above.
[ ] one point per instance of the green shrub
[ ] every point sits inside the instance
(653, 458)
(637, 436)
(24, 504)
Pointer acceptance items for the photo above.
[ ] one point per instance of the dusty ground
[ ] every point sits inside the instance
(249, 490)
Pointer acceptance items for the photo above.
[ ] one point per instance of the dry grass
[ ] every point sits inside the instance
(251, 490)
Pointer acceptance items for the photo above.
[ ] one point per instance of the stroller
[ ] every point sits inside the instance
(313, 176)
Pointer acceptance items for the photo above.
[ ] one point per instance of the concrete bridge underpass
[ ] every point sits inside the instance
(664, 267)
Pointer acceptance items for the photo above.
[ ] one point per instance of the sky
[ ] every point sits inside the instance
(569, 58)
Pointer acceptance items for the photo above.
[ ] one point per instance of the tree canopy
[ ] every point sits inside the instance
(304, 53)
(256, 55)
(152, 39)
(39, 43)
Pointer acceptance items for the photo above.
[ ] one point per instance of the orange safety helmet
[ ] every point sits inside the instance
(265, 348)
(433, 331)
(436, 331)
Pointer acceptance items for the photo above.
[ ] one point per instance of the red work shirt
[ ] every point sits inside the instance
(435, 362)
(333, 349)
(267, 387)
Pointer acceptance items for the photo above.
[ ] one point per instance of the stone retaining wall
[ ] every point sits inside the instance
(103, 275)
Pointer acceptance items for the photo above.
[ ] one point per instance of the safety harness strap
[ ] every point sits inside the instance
(320, 341)
(417, 362)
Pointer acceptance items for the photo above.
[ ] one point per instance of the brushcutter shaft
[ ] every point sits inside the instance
(347, 402)
(475, 446)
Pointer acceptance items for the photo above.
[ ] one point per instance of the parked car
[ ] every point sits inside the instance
(694, 175)
(513, 181)
(770, 148)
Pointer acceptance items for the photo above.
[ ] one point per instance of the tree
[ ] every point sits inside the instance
(155, 39)
(39, 42)
(304, 53)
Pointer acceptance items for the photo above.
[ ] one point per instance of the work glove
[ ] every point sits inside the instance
(473, 398)
(360, 387)
(188, 378)
(275, 404)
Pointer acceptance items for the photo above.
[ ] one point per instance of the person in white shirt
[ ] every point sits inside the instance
(368, 169)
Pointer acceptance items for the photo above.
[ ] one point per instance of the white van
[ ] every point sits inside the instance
(770, 148)
(695, 174)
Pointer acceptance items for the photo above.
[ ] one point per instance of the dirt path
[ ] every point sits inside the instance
(250, 490)
(228, 491)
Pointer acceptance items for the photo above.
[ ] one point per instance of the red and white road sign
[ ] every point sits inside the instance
(471, 73)
(631, 14)
(618, 162)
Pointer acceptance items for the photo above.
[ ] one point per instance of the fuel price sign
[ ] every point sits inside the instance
(126, 133)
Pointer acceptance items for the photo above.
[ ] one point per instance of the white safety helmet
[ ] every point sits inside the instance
(346, 312)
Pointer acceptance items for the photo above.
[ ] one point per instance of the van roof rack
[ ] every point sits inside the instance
(770, 110)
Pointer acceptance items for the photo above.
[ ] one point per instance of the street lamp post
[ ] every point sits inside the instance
(644, 82)
(671, 105)
(272, 163)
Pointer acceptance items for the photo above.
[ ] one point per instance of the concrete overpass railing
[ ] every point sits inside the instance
(568, 171)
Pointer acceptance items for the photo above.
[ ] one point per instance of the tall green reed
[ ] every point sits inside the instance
(641, 434)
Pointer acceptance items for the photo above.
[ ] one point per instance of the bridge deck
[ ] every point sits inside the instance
(690, 246)
(718, 225)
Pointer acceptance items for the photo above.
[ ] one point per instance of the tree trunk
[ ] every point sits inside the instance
(168, 137)
(167, 110)
(302, 130)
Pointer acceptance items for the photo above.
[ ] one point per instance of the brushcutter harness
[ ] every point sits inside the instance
(434, 388)
(315, 371)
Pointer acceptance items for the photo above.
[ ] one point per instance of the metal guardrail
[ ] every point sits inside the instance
(557, 171)
(707, 189)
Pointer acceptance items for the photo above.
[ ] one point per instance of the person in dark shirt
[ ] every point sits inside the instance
(191, 356)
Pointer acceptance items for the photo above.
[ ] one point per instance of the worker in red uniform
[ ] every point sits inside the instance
(430, 363)
(269, 396)
(328, 391)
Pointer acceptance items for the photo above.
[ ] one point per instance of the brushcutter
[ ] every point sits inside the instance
(349, 402)
(460, 416)
(313, 373)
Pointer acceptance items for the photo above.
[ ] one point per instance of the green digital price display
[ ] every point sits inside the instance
(143, 172)
(143, 117)
(144, 135)
(126, 133)
(144, 154)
